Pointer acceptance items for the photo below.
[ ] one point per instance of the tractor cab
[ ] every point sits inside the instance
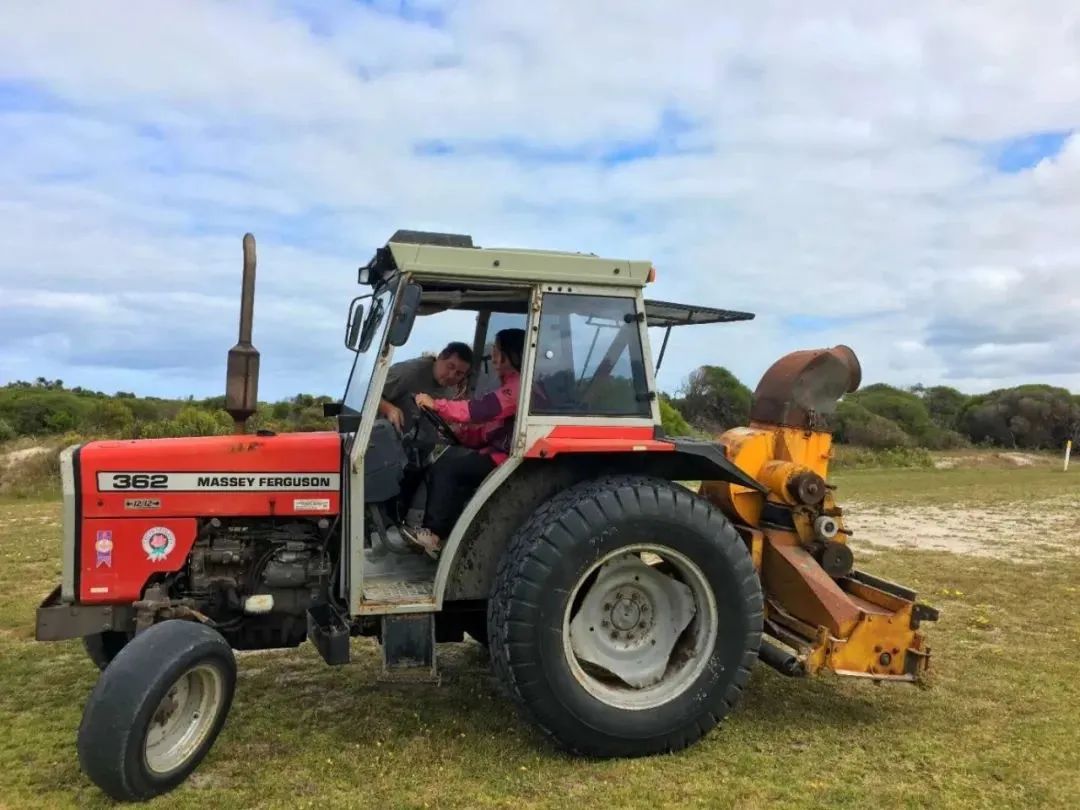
(587, 389)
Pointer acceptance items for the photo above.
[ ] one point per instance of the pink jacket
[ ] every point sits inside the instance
(485, 423)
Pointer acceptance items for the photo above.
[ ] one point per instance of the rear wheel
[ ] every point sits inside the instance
(156, 710)
(626, 617)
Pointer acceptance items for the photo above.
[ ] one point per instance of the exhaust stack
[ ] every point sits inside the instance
(242, 373)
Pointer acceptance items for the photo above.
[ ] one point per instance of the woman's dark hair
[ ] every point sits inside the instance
(511, 342)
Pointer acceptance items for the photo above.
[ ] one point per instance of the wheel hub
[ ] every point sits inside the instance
(626, 612)
(630, 619)
(183, 718)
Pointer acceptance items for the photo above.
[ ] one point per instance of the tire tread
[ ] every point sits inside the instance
(547, 532)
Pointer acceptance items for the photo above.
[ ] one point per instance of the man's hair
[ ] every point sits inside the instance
(458, 349)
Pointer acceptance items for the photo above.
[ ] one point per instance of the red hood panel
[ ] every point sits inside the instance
(208, 476)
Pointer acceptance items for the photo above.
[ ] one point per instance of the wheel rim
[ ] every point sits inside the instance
(640, 626)
(183, 719)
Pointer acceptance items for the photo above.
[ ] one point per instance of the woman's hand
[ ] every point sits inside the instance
(424, 401)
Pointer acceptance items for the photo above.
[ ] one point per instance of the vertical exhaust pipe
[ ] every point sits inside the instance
(242, 373)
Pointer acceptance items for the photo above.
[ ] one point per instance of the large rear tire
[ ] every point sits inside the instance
(156, 710)
(626, 617)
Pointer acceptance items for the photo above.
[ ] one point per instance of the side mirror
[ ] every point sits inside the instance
(408, 305)
(354, 324)
(331, 409)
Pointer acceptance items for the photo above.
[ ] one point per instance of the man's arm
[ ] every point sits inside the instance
(391, 390)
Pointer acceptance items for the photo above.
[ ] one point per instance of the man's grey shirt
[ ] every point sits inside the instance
(414, 377)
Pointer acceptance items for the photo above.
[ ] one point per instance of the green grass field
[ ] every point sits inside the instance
(998, 723)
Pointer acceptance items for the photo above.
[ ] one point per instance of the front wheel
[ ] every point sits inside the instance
(626, 617)
(156, 710)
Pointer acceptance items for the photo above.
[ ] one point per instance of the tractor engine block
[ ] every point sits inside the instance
(256, 578)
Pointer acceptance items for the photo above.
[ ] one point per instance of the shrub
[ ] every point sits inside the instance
(672, 420)
(854, 424)
(111, 417)
(846, 457)
(938, 438)
(38, 411)
(35, 475)
(944, 405)
(1028, 416)
(190, 421)
(903, 408)
(714, 400)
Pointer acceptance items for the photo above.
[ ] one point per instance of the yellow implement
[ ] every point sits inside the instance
(828, 614)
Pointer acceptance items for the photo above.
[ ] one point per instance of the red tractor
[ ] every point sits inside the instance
(623, 611)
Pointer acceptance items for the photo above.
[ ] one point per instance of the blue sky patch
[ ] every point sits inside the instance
(1012, 155)
(818, 323)
(408, 11)
(665, 140)
(20, 96)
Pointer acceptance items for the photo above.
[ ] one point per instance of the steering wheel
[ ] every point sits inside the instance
(441, 425)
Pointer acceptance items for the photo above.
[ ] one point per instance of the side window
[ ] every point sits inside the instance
(588, 358)
(484, 375)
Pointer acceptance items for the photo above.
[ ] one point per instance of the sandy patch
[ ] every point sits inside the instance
(1020, 532)
(15, 456)
(1019, 459)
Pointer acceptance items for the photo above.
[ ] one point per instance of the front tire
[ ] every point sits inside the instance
(626, 617)
(156, 710)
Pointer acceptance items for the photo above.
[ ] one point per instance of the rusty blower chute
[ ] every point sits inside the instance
(828, 614)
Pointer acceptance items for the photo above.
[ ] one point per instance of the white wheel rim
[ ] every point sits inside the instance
(183, 719)
(639, 636)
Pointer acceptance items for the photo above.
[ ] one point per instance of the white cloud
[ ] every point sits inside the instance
(831, 170)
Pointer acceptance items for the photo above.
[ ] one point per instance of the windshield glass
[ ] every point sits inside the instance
(374, 331)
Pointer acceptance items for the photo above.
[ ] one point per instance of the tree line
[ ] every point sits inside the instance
(880, 416)
(45, 407)
(711, 400)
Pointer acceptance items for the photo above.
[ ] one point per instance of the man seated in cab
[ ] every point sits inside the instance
(440, 377)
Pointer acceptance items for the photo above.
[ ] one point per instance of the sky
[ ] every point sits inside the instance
(903, 178)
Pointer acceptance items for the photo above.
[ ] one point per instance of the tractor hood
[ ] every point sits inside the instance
(211, 476)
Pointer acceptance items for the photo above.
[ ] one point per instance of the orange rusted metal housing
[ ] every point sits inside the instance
(833, 616)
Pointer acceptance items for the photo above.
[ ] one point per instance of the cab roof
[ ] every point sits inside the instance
(444, 260)
(455, 256)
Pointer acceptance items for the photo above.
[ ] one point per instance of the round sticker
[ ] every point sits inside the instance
(158, 543)
(103, 545)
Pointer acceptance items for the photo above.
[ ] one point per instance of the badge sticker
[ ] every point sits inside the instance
(158, 543)
(103, 545)
(311, 504)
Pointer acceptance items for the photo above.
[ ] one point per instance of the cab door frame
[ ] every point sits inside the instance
(353, 529)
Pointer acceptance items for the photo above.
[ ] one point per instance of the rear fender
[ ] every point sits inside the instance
(517, 487)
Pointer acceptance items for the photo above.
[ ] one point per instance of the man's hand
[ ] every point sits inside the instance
(393, 415)
(425, 401)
